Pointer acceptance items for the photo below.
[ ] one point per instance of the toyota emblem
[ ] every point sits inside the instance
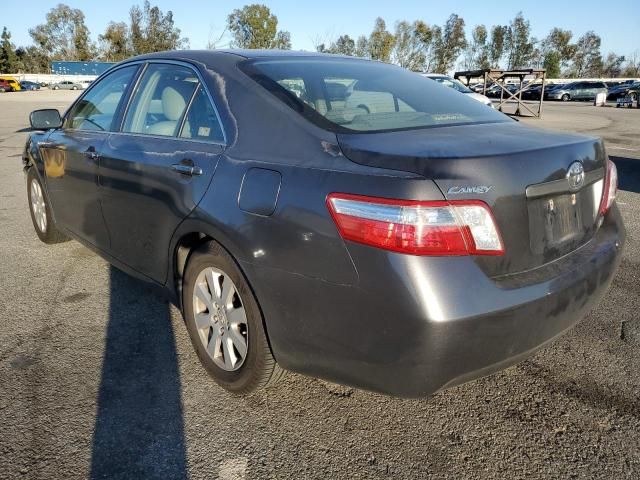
(575, 175)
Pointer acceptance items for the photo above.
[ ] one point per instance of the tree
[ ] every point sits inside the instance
(519, 46)
(449, 44)
(31, 59)
(254, 26)
(632, 66)
(552, 64)
(407, 51)
(8, 58)
(362, 47)
(477, 53)
(496, 46)
(151, 30)
(380, 42)
(114, 42)
(559, 40)
(587, 60)
(612, 65)
(428, 37)
(64, 35)
(344, 45)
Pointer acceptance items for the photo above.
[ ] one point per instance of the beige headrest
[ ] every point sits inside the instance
(173, 103)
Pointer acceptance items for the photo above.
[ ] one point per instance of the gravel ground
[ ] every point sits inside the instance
(98, 377)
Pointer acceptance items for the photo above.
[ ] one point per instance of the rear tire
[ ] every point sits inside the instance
(40, 211)
(246, 363)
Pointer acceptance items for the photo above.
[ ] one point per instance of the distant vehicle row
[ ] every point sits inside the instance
(10, 84)
(578, 90)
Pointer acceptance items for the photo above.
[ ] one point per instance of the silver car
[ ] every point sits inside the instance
(458, 86)
(66, 85)
(576, 91)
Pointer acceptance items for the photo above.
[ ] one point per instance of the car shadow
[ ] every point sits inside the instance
(139, 430)
(628, 173)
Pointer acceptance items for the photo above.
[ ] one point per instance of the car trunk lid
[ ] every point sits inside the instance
(519, 171)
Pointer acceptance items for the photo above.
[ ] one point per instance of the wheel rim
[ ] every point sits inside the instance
(38, 206)
(220, 319)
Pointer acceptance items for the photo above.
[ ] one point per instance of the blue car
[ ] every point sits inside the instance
(26, 85)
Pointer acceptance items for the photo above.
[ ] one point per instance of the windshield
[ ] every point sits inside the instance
(450, 82)
(344, 95)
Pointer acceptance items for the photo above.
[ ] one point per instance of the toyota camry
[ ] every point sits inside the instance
(338, 217)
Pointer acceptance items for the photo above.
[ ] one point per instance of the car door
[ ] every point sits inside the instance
(71, 154)
(157, 168)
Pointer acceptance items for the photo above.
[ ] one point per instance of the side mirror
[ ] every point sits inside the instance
(45, 119)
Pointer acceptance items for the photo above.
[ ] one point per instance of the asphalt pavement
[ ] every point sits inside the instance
(98, 377)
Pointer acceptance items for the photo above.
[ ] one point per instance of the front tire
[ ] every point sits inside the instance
(565, 97)
(41, 211)
(225, 323)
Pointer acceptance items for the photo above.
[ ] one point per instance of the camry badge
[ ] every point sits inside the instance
(575, 175)
(457, 190)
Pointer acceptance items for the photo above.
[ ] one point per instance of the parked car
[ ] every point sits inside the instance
(383, 232)
(13, 83)
(622, 90)
(459, 87)
(66, 85)
(5, 87)
(26, 85)
(582, 90)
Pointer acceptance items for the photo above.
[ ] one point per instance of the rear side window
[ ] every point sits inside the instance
(201, 122)
(345, 95)
(96, 110)
(160, 101)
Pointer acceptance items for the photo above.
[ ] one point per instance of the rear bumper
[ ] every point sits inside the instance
(415, 325)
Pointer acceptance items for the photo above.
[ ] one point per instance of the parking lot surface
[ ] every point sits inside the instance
(98, 377)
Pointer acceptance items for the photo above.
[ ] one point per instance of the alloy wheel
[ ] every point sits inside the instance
(38, 206)
(220, 319)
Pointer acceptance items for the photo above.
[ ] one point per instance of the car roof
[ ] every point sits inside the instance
(205, 55)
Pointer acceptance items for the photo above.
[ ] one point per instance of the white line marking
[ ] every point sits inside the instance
(622, 148)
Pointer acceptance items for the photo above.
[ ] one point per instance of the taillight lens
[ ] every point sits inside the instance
(417, 227)
(610, 187)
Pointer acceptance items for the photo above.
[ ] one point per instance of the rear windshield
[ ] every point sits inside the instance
(345, 95)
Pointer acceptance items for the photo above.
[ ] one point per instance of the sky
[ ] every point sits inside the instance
(325, 20)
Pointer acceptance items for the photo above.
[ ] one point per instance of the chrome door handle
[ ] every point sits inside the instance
(184, 169)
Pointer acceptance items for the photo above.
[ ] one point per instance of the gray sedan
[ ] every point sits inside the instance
(66, 85)
(576, 91)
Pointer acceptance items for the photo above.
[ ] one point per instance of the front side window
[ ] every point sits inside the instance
(96, 110)
(345, 95)
(161, 100)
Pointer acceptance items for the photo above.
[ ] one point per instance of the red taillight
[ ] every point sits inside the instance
(417, 227)
(610, 187)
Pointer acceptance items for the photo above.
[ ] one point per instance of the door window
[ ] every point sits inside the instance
(201, 122)
(96, 110)
(161, 100)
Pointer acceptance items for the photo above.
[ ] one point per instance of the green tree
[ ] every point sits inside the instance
(64, 35)
(449, 44)
(428, 37)
(552, 64)
(632, 65)
(408, 51)
(612, 65)
(152, 30)
(587, 60)
(8, 59)
(32, 60)
(497, 44)
(381, 42)
(114, 42)
(559, 41)
(254, 26)
(477, 52)
(362, 47)
(518, 42)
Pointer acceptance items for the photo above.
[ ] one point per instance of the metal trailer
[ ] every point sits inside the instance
(500, 77)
